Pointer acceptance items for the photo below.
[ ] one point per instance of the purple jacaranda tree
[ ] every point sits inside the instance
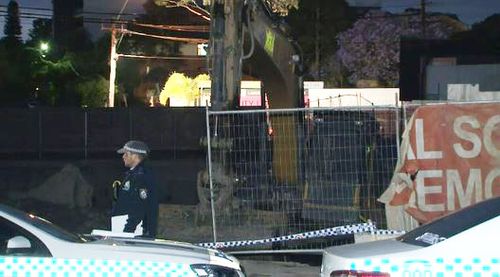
(370, 49)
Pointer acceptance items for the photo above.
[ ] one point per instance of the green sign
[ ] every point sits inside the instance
(269, 45)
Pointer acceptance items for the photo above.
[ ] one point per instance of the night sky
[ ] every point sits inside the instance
(469, 11)
(109, 6)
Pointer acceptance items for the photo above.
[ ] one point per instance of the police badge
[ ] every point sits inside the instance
(126, 186)
(143, 193)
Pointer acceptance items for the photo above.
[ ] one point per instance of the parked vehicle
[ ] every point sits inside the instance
(32, 246)
(464, 243)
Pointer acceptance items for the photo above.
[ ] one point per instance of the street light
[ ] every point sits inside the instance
(44, 48)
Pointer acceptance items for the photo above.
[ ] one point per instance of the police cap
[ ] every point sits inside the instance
(134, 146)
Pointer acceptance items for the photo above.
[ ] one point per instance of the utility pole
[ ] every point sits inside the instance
(112, 68)
(317, 42)
(225, 52)
(422, 17)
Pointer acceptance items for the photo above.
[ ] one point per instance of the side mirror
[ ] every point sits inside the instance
(18, 244)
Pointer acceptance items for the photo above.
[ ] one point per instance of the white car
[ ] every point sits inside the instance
(32, 246)
(463, 243)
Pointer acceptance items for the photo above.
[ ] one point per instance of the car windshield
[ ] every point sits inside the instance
(452, 224)
(44, 225)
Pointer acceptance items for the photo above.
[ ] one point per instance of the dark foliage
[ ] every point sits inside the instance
(319, 21)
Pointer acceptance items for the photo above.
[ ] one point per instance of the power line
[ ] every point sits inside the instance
(180, 39)
(192, 8)
(122, 9)
(180, 28)
(68, 18)
(186, 28)
(83, 12)
(412, 5)
(206, 17)
(195, 58)
(118, 17)
(125, 21)
(101, 20)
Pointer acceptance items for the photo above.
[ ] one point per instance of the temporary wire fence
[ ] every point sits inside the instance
(272, 173)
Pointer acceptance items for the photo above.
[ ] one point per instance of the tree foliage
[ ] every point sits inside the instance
(55, 81)
(485, 35)
(180, 90)
(128, 78)
(370, 49)
(93, 91)
(177, 90)
(32, 77)
(12, 27)
(15, 67)
(317, 23)
(278, 6)
(143, 45)
(283, 6)
(41, 31)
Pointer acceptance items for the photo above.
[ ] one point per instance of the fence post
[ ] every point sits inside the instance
(405, 119)
(86, 134)
(398, 130)
(209, 154)
(39, 135)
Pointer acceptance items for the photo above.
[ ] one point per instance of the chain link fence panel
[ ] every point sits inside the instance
(280, 172)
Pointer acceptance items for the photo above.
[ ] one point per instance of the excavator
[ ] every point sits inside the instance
(248, 41)
(246, 37)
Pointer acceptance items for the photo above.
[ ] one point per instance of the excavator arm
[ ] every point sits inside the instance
(245, 36)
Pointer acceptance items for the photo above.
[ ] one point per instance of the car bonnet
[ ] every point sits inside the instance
(374, 248)
(148, 247)
(153, 245)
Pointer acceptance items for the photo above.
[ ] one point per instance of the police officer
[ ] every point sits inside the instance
(136, 207)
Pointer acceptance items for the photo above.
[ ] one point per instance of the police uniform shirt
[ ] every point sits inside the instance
(137, 198)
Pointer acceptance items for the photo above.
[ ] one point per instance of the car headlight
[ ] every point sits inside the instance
(208, 270)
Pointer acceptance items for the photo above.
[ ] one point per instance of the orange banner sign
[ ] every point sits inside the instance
(450, 159)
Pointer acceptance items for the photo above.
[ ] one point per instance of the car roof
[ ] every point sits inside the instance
(456, 222)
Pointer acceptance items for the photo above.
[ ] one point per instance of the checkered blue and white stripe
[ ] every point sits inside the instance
(328, 232)
(440, 266)
(23, 266)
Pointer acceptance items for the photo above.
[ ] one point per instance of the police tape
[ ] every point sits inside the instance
(328, 232)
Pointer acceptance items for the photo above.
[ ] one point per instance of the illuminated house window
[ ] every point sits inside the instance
(202, 49)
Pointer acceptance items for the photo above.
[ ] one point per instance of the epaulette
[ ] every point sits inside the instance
(140, 170)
